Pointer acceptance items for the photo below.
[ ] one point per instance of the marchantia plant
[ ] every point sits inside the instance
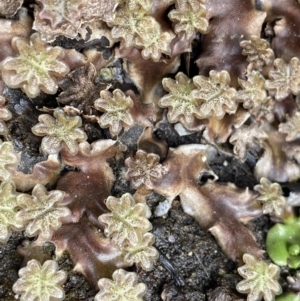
(147, 147)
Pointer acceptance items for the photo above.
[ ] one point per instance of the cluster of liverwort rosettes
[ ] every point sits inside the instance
(41, 214)
(198, 98)
(252, 109)
(140, 24)
(128, 227)
(189, 101)
(44, 283)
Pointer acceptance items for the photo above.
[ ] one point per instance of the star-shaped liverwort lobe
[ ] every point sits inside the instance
(190, 17)
(123, 287)
(40, 282)
(126, 23)
(260, 279)
(271, 197)
(116, 107)
(143, 253)
(181, 104)
(215, 95)
(36, 68)
(284, 78)
(42, 212)
(127, 221)
(60, 132)
(143, 169)
(153, 41)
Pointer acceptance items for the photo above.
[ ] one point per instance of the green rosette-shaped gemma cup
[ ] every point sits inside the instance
(283, 243)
